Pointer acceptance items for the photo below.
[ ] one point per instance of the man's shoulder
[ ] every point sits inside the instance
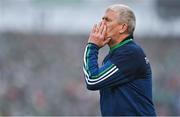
(129, 51)
(129, 48)
(135, 49)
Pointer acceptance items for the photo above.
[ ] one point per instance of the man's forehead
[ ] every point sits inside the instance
(110, 13)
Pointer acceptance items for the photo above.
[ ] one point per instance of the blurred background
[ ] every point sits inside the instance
(41, 54)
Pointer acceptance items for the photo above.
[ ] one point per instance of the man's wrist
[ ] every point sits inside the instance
(93, 45)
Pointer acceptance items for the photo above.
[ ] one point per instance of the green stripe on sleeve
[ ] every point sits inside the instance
(87, 61)
(87, 65)
(103, 72)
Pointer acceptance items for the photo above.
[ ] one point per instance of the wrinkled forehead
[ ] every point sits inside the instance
(110, 10)
(111, 14)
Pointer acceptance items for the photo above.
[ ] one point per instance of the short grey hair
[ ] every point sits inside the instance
(126, 15)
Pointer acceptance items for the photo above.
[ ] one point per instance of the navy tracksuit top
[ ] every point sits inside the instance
(124, 80)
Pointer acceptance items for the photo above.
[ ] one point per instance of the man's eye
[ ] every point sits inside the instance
(104, 18)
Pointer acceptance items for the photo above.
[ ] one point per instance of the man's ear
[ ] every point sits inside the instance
(123, 28)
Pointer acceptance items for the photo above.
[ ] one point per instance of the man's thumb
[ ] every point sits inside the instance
(107, 40)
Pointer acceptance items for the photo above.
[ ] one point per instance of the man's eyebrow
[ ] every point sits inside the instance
(106, 18)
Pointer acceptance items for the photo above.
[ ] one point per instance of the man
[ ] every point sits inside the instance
(124, 79)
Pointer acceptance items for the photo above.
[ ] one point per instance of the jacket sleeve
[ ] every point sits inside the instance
(118, 70)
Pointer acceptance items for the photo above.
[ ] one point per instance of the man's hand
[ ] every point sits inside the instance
(97, 35)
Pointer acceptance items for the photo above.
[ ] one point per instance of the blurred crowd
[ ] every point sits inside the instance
(41, 54)
(42, 75)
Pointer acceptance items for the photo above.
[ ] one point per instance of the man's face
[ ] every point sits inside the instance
(113, 27)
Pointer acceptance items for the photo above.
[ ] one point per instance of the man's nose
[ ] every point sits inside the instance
(104, 21)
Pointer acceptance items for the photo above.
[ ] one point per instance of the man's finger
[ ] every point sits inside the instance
(107, 40)
(104, 30)
(99, 25)
(101, 28)
(94, 28)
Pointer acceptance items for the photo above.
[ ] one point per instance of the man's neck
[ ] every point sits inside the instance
(117, 40)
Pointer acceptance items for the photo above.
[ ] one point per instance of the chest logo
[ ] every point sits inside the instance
(147, 60)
